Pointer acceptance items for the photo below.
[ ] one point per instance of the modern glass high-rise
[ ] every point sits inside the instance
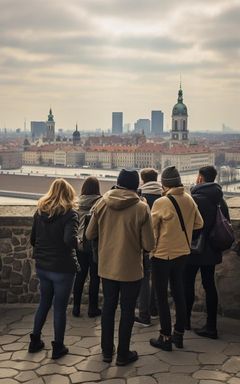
(117, 123)
(157, 123)
(38, 129)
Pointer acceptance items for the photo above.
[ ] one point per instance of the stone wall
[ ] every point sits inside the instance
(18, 282)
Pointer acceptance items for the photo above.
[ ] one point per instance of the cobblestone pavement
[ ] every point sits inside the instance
(202, 361)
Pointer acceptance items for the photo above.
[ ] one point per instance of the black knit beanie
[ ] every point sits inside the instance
(128, 179)
(170, 177)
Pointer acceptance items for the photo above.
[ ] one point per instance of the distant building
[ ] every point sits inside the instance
(179, 132)
(142, 125)
(10, 159)
(50, 127)
(156, 123)
(38, 129)
(76, 136)
(117, 123)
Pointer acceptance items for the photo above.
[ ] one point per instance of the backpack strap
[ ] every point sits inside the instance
(179, 213)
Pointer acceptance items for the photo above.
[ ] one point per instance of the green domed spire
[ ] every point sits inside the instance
(180, 108)
(50, 116)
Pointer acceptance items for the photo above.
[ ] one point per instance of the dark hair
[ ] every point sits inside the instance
(209, 173)
(148, 174)
(90, 186)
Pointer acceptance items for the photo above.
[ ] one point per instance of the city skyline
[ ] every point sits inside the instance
(86, 59)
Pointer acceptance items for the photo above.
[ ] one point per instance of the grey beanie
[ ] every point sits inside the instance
(170, 177)
(128, 179)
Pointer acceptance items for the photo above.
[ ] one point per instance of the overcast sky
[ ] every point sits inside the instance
(88, 58)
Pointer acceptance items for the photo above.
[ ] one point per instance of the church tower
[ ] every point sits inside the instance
(179, 132)
(50, 126)
(76, 136)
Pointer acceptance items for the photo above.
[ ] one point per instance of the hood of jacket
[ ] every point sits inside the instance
(212, 191)
(120, 198)
(87, 201)
(151, 188)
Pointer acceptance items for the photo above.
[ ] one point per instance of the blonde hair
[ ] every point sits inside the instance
(60, 198)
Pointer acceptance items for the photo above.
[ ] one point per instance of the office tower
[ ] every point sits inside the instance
(142, 125)
(117, 123)
(157, 123)
(38, 129)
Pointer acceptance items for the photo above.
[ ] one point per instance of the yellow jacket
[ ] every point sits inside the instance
(170, 239)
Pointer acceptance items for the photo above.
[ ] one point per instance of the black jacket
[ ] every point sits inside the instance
(54, 241)
(208, 196)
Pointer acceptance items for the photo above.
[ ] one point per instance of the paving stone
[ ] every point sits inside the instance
(20, 365)
(19, 332)
(5, 356)
(212, 358)
(184, 368)
(113, 381)
(14, 346)
(153, 367)
(173, 378)
(210, 382)
(141, 380)
(50, 369)
(234, 380)
(8, 339)
(35, 381)
(7, 372)
(144, 360)
(143, 337)
(204, 345)
(91, 366)
(232, 349)
(144, 348)
(178, 358)
(59, 379)
(83, 332)
(232, 365)
(70, 360)
(8, 381)
(70, 340)
(88, 342)
(24, 355)
(26, 376)
(83, 377)
(112, 372)
(74, 350)
(211, 375)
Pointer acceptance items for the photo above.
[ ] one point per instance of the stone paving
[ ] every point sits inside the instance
(202, 361)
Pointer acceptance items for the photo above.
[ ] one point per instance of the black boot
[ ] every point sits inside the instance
(206, 331)
(177, 339)
(163, 342)
(76, 311)
(36, 344)
(59, 350)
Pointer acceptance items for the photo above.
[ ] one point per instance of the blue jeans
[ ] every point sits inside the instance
(58, 286)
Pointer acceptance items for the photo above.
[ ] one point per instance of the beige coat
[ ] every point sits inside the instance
(122, 223)
(170, 240)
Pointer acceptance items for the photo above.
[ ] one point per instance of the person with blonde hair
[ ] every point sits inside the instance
(54, 240)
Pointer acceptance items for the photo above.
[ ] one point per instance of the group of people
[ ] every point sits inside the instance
(142, 249)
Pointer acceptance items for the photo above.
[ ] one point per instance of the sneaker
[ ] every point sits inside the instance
(206, 332)
(94, 313)
(141, 322)
(163, 342)
(130, 358)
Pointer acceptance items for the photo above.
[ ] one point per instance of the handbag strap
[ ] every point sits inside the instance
(179, 213)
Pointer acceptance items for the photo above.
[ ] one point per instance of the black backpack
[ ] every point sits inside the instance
(221, 236)
(85, 244)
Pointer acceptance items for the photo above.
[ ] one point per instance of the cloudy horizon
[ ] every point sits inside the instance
(88, 58)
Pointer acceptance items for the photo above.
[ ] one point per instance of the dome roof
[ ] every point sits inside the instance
(179, 108)
(76, 134)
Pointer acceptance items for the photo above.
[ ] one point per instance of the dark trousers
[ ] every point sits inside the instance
(147, 300)
(128, 292)
(87, 265)
(165, 271)
(208, 282)
(57, 286)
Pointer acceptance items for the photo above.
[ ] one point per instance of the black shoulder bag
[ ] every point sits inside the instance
(197, 244)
